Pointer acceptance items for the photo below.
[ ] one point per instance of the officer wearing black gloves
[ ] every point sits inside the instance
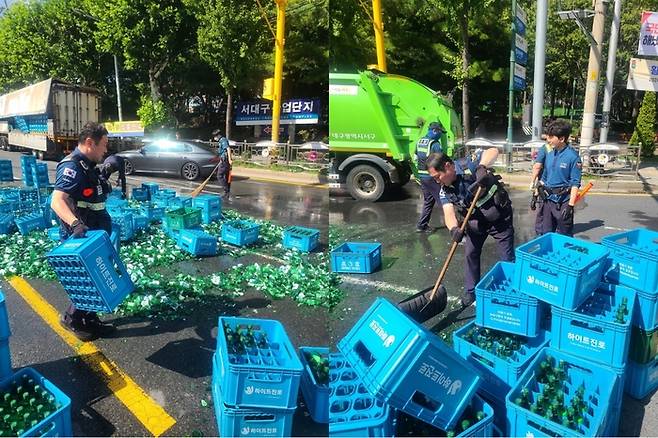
(112, 164)
(492, 215)
(557, 174)
(429, 144)
(79, 202)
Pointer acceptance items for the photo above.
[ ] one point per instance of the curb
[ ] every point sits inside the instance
(286, 177)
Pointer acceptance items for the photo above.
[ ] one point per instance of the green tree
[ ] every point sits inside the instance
(233, 40)
(645, 126)
(153, 114)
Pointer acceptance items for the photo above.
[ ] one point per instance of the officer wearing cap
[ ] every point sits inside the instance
(112, 164)
(427, 145)
(79, 201)
(557, 172)
(225, 164)
(492, 215)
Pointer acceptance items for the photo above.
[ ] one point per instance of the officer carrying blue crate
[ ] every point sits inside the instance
(556, 179)
(492, 216)
(429, 144)
(79, 201)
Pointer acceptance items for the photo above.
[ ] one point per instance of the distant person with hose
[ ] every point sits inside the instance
(492, 214)
(225, 164)
(429, 144)
(556, 177)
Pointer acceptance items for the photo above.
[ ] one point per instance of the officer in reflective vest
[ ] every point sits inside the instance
(225, 165)
(427, 145)
(79, 201)
(557, 176)
(492, 216)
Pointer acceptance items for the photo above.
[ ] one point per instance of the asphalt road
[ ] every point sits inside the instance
(168, 361)
(411, 262)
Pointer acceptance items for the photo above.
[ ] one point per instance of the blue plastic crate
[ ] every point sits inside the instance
(634, 259)
(180, 202)
(53, 233)
(409, 367)
(7, 225)
(559, 270)
(112, 203)
(115, 236)
(40, 175)
(6, 171)
(356, 257)
(5, 333)
(501, 307)
(315, 394)
(154, 214)
(263, 376)
(600, 388)
(197, 242)
(125, 221)
(237, 422)
(498, 373)
(91, 272)
(641, 379)
(30, 222)
(240, 232)
(303, 239)
(500, 423)
(210, 205)
(152, 188)
(352, 410)
(140, 194)
(167, 193)
(58, 423)
(592, 331)
(140, 222)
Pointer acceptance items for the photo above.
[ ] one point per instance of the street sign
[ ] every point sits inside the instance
(124, 129)
(519, 77)
(648, 44)
(521, 50)
(294, 111)
(520, 20)
(268, 89)
(643, 75)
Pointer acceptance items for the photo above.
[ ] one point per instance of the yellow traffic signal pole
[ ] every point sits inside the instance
(278, 66)
(379, 34)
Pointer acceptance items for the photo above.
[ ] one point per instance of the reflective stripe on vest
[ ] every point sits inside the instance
(96, 206)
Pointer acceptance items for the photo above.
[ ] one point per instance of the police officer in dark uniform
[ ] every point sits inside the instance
(225, 165)
(429, 144)
(79, 202)
(557, 172)
(112, 164)
(492, 216)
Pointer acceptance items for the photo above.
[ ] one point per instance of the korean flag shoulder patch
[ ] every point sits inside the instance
(68, 172)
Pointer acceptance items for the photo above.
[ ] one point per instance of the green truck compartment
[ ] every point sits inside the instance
(383, 115)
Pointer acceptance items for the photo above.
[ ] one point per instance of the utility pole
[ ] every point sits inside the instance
(591, 89)
(378, 24)
(540, 65)
(116, 75)
(278, 67)
(610, 71)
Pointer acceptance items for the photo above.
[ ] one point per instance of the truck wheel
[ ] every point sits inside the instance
(365, 183)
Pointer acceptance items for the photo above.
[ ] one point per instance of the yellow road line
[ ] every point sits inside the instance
(139, 403)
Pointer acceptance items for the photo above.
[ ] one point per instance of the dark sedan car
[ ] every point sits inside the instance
(187, 159)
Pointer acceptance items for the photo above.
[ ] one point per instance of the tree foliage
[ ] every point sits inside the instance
(645, 127)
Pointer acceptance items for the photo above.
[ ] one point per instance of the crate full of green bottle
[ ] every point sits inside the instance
(315, 381)
(407, 366)
(500, 357)
(30, 405)
(600, 329)
(353, 411)
(476, 421)
(562, 395)
(258, 365)
(240, 232)
(644, 345)
(501, 307)
(182, 218)
(559, 270)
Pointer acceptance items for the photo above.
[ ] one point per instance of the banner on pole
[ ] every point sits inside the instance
(643, 75)
(648, 44)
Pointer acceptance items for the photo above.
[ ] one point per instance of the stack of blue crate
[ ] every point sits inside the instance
(28, 162)
(6, 171)
(210, 205)
(255, 381)
(40, 175)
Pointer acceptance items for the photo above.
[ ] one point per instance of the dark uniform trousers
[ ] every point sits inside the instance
(477, 231)
(549, 218)
(431, 190)
(223, 172)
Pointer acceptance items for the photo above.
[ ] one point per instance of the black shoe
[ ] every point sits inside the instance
(80, 330)
(467, 299)
(424, 229)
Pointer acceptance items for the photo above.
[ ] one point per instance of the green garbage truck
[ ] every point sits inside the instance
(376, 120)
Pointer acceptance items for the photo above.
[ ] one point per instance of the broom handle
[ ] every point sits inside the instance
(203, 185)
(453, 248)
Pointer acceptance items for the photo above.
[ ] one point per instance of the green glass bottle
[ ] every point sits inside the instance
(480, 415)
(465, 424)
(450, 434)
(566, 422)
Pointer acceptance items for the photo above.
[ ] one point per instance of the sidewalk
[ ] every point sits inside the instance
(298, 178)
